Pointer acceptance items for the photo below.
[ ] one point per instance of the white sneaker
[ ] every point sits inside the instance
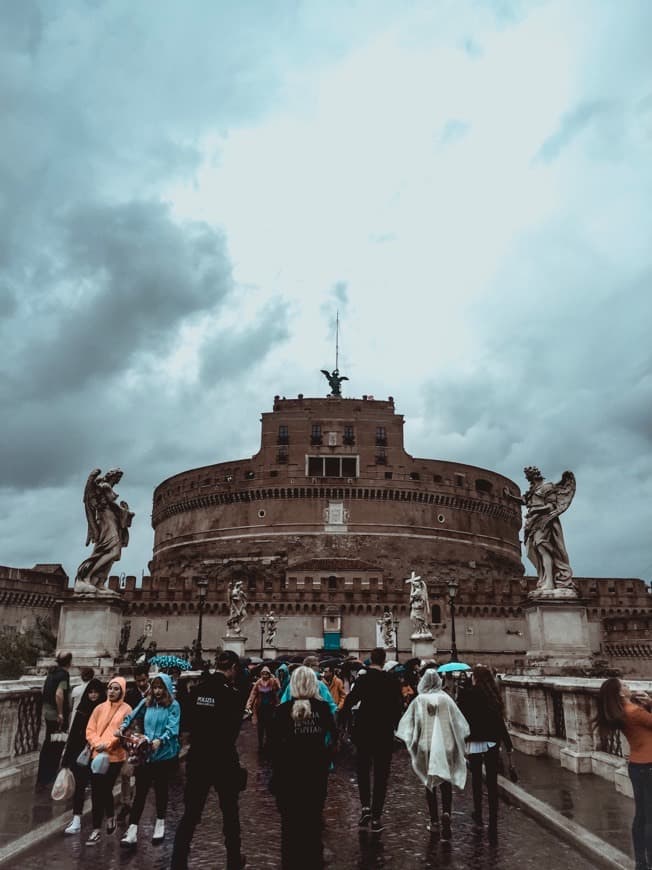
(159, 830)
(75, 826)
(131, 837)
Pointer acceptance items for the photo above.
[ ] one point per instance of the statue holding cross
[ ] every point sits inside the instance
(419, 606)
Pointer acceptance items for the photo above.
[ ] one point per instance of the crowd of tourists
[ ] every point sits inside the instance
(303, 712)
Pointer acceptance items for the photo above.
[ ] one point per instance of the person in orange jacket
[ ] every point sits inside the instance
(335, 686)
(103, 737)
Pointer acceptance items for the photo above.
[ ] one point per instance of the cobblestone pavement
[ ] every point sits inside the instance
(403, 845)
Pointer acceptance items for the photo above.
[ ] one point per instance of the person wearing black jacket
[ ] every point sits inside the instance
(212, 721)
(56, 710)
(374, 722)
(94, 694)
(482, 707)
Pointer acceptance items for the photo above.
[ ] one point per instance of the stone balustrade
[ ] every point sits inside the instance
(20, 727)
(554, 716)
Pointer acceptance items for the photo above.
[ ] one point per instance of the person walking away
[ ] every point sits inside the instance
(304, 738)
(312, 662)
(619, 709)
(335, 687)
(263, 700)
(101, 734)
(434, 732)
(94, 694)
(77, 691)
(482, 707)
(161, 727)
(135, 695)
(213, 720)
(378, 695)
(56, 708)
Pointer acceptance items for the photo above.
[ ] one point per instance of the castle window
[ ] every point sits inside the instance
(282, 455)
(283, 435)
(349, 436)
(332, 466)
(437, 478)
(315, 434)
(268, 585)
(332, 582)
(436, 614)
(249, 475)
(381, 436)
(388, 475)
(381, 456)
(483, 485)
(459, 480)
(414, 475)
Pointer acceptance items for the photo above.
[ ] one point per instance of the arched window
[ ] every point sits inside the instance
(436, 614)
(482, 485)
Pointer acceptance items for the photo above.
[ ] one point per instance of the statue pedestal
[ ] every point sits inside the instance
(423, 646)
(558, 631)
(270, 652)
(89, 628)
(236, 643)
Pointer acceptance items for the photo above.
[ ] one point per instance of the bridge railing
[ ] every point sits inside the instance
(555, 716)
(20, 729)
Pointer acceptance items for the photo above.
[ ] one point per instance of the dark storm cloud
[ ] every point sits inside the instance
(570, 127)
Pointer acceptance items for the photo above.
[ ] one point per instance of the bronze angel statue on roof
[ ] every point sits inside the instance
(543, 536)
(108, 530)
(334, 379)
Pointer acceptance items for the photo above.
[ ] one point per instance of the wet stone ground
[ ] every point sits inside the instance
(405, 844)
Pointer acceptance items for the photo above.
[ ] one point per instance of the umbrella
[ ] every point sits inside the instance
(453, 666)
(255, 660)
(170, 662)
(330, 663)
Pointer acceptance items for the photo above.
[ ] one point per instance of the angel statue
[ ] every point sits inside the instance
(387, 628)
(108, 530)
(419, 606)
(237, 606)
(334, 379)
(271, 627)
(543, 537)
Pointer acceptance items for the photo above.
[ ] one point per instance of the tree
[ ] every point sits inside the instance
(17, 653)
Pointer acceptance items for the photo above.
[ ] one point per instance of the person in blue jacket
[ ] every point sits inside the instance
(161, 727)
(312, 662)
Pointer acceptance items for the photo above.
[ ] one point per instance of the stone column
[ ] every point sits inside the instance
(270, 652)
(236, 643)
(89, 628)
(423, 646)
(558, 632)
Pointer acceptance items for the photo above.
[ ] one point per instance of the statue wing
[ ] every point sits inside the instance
(325, 373)
(343, 378)
(564, 492)
(90, 506)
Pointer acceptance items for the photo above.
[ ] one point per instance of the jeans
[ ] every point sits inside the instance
(265, 717)
(159, 774)
(102, 793)
(199, 781)
(380, 758)
(490, 761)
(641, 777)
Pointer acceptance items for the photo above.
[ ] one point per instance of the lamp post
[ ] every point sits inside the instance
(263, 626)
(202, 587)
(452, 592)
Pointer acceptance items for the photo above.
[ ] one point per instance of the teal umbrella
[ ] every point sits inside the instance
(449, 667)
(170, 662)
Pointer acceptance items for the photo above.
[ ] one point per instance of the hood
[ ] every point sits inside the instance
(167, 682)
(123, 685)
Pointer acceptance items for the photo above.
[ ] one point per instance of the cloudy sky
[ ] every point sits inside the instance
(189, 191)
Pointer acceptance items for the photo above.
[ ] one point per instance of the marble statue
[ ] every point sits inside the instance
(237, 607)
(271, 627)
(543, 536)
(108, 530)
(419, 606)
(387, 629)
(334, 379)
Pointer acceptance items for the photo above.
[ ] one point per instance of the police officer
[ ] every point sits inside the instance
(212, 724)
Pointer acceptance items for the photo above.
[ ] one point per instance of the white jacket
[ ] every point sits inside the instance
(434, 731)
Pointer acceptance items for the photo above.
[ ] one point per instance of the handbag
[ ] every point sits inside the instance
(84, 757)
(59, 737)
(64, 785)
(100, 764)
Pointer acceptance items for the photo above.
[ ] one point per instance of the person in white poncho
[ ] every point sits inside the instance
(434, 732)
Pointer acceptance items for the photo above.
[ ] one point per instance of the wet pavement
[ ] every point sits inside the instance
(403, 845)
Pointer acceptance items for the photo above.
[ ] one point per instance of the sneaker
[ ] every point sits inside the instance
(75, 826)
(93, 837)
(130, 839)
(159, 831)
(365, 817)
(446, 828)
(376, 826)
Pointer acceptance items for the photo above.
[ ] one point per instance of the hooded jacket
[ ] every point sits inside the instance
(77, 734)
(160, 722)
(434, 731)
(105, 721)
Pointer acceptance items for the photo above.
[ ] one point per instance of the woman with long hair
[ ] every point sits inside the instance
(619, 709)
(263, 700)
(94, 694)
(482, 708)
(101, 731)
(161, 727)
(300, 762)
(434, 731)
